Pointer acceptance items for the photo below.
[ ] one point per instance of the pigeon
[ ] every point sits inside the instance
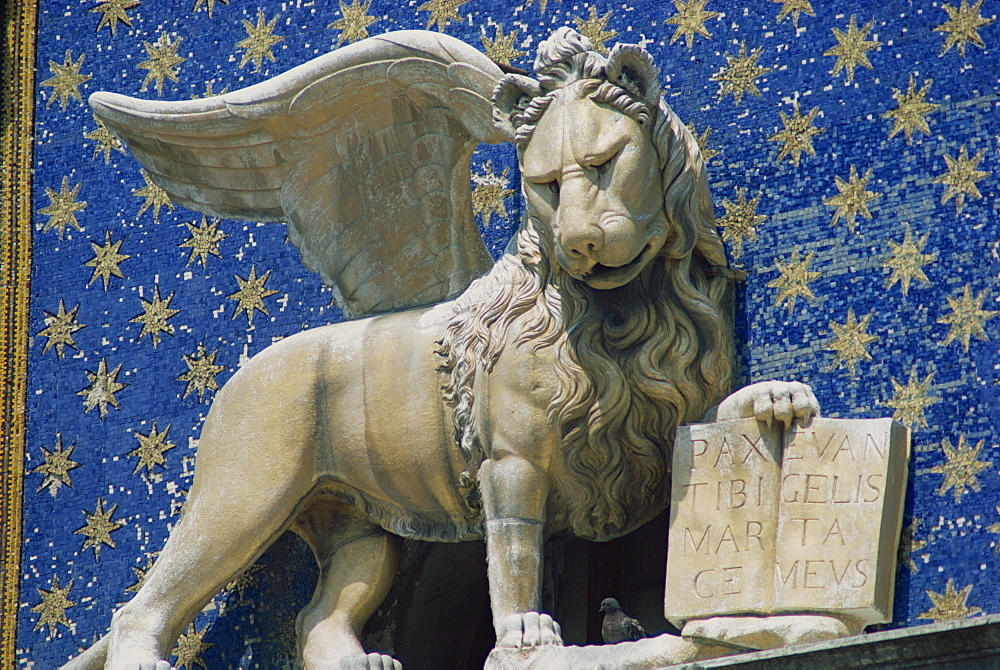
(618, 626)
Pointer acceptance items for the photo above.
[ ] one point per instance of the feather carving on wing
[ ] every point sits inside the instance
(364, 152)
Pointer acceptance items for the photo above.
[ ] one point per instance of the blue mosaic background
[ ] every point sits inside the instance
(954, 489)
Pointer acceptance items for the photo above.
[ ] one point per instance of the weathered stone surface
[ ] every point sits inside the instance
(710, 638)
(972, 642)
(766, 520)
(655, 652)
(766, 632)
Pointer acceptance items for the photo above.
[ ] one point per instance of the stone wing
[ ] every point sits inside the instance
(364, 152)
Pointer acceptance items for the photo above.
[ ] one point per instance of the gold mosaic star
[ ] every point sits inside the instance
(690, 19)
(909, 546)
(153, 196)
(740, 220)
(162, 62)
(851, 48)
(251, 295)
(106, 141)
(912, 399)
(65, 80)
(103, 387)
(962, 26)
(59, 328)
(106, 260)
(797, 134)
(209, 93)
(501, 49)
(907, 261)
(62, 208)
(740, 73)
(911, 110)
(795, 8)
(961, 468)
(204, 240)
(850, 340)
(853, 199)
(995, 528)
(99, 527)
(55, 469)
(245, 580)
(154, 317)
(593, 28)
(189, 648)
(201, 372)
(140, 573)
(950, 605)
(441, 11)
(490, 192)
(151, 449)
(209, 4)
(961, 177)
(794, 279)
(966, 318)
(52, 609)
(113, 11)
(259, 41)
(707, 153)
(353, 22)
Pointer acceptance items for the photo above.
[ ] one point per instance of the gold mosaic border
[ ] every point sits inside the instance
(17, 111)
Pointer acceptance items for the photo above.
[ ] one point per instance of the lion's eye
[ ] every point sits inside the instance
(554, 187)
(603, 166)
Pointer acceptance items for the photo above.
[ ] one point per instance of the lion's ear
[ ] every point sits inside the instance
(510, 98)
(632, 68)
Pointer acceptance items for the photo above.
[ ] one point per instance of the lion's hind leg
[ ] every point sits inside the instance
(223, 530)
(358, 562)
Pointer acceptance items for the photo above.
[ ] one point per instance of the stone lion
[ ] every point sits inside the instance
(565, 369)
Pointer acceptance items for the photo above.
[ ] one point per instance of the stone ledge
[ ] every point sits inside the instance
(914, 647)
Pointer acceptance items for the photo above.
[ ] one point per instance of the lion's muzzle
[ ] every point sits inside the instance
(609, 253)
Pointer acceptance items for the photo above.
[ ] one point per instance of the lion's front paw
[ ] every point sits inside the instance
(144, 665)
(528, 629)
(771, 401)
(784, 402)
(373, 661)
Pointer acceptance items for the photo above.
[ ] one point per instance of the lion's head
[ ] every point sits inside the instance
(593, 140)
(617, 266)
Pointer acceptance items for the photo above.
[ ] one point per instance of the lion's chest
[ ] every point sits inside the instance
(513, 401)
(582, 430)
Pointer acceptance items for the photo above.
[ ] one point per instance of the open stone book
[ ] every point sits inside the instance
(768, 520)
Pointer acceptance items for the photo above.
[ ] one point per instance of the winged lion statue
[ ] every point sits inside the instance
(466, 400)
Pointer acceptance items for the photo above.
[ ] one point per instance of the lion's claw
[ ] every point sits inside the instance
(150, 665)
(529, 629)
(373, 661)
(771, 401)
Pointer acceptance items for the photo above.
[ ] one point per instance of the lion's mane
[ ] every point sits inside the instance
(633, 362)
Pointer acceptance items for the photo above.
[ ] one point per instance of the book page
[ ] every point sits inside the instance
(723, 517)
(842, 486)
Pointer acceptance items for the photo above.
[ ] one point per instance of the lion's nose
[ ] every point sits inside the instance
(585, 242)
